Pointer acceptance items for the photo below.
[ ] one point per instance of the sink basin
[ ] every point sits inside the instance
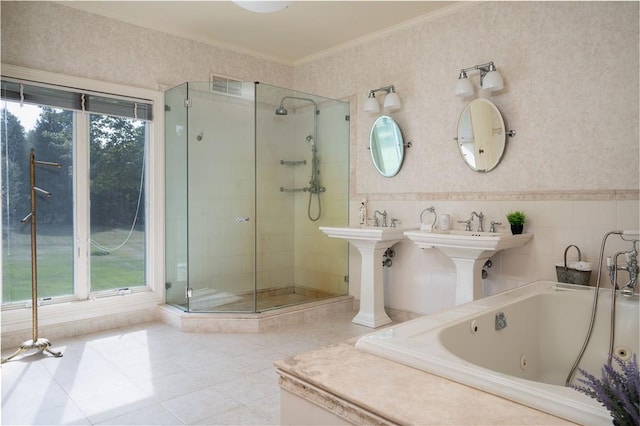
(371, 242)
(468, 250)
(468, 244)
(367, 233)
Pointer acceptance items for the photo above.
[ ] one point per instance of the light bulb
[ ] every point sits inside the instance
(392, 102)
(463, 87)
(492, 81)
(371, 104)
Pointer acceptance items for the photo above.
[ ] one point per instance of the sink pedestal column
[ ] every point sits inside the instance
(469, 251)
(371, 243)
(372, 313)
(469, 284)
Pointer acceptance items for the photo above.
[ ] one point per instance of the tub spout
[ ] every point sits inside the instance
(501, 321)
(631, 268)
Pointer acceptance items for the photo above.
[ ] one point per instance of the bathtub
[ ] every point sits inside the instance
(527, 360)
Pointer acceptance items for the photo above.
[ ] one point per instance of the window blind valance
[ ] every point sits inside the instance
(75, 99)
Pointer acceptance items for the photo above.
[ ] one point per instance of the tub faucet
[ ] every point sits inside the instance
(376, 221)
(480, 220)
(632, 269)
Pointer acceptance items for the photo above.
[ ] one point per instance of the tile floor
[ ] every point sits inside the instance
(153, 374)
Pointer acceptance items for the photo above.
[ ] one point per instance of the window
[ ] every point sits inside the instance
(92, 233)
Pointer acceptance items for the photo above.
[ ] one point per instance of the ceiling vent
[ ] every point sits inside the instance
(229, 86)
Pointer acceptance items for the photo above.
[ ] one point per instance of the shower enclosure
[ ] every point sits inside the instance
(252, 171)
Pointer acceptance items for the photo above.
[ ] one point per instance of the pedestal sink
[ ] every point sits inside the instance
(371, 242)
(469, 251)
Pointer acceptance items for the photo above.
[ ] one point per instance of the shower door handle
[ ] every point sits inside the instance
(242, 218)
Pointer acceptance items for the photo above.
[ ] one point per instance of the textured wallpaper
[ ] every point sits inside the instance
(51, 37)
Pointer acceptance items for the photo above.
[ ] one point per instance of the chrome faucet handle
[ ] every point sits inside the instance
(394, 222)
(467, 227)
(384, 218)
(493, 224)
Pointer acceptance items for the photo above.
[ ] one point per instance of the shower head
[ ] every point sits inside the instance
(281, 110)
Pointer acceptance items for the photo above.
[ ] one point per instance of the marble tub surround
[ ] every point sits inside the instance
(360, 388)
(519, 345)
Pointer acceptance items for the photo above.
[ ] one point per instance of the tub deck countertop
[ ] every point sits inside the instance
(365, 388)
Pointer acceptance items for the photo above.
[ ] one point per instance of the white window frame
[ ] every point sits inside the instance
(83, 305)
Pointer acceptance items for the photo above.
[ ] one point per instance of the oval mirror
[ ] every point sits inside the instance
(386, 146)
(481, 135)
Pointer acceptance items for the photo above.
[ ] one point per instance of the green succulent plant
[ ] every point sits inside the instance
(516, 218)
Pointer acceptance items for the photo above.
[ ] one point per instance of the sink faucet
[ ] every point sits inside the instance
(467, 226)
(376, 221)
(480, 219)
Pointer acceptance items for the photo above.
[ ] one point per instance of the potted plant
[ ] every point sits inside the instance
(516, 219)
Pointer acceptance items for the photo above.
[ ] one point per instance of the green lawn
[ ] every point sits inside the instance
(123, 267)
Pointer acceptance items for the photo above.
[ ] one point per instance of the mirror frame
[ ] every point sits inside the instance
(491, 139)
(385, 133)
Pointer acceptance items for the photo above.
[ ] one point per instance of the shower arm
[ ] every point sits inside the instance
(315, 105)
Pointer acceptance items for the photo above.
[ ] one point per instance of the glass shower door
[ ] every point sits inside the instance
(302, 183)
(176, 254)
(221, 200)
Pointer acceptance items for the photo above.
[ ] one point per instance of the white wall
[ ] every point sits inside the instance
(571, 93)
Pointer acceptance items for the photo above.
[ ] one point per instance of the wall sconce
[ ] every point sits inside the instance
(490, 80)
(391, 101)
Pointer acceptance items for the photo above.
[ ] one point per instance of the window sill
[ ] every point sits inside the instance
(82, 316)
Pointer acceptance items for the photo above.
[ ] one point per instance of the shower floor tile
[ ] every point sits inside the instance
(211, 300)
(153, 374)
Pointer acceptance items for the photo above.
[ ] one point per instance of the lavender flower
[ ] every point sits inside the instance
(619, 392)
